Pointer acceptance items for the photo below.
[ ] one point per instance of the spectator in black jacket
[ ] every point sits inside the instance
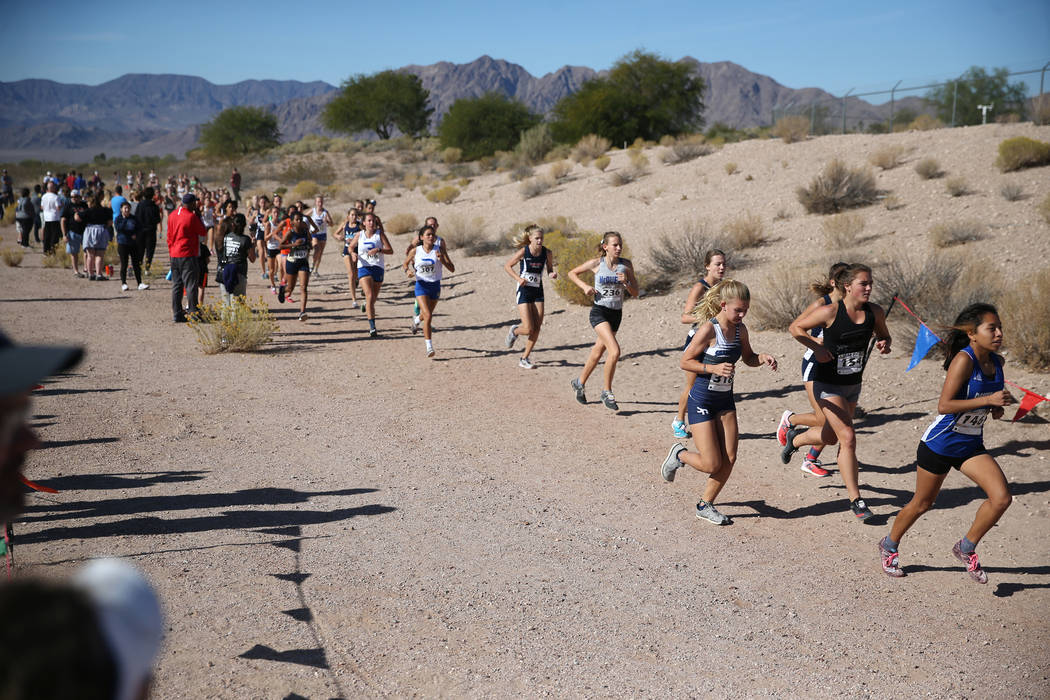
(148, 216)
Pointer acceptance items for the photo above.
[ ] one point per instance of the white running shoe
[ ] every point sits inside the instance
(143, 286)
(511, 337)
(124, 287)
(524, 363)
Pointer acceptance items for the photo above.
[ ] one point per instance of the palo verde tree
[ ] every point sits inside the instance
(480, 126)
(380, 103)
(642, 96)
(238, 131)
(978, 87)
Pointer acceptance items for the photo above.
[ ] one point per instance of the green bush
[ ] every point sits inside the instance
(791, 129)
(305, 190)
(480, 126)
(602, 162)
(242, 327)
(1022, 152)
(535, 143)
(444, 195)
(837, 188)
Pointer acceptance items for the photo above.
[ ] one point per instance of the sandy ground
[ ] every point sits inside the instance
(341, 517)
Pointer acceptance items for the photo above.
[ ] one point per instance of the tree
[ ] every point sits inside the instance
(642, 96)
(480, 126)
(379, 103)
(977, 87)
(237, 131)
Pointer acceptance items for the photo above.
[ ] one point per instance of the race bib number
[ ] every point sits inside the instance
(297, 254)
(372, 255)
(850, 362)
(720, 383)
(425, 270)
(971, 423)
(531, 279)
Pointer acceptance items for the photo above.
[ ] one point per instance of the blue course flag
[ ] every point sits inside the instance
(923, 342)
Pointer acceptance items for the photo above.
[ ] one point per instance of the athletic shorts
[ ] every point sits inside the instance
(601, 314)
(272, 252)
(702, 411)
(294, 267)
(824, 390)
(940, 464)
(808, 367)
(530, 295)
(73, 246)
(346, 251)
(431, 290)
(319, 236)
(373, 271)
(258, 235)
(202, 265)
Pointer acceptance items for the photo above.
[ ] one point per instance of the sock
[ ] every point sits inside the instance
(967, 546)
(814, 454)
(371, 324)
(889, 544)
(415, 319)
(430, 345)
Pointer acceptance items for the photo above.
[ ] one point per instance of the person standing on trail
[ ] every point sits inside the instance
(185, 230)
(235, 185)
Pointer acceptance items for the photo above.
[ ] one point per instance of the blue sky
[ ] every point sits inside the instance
(833, 45)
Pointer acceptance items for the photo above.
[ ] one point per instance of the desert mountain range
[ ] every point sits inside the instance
(161, 114)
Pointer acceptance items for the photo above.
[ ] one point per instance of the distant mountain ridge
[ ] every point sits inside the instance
(145, 114)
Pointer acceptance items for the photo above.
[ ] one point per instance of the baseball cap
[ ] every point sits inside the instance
(189, 198)
(74, 193)
(25, 365)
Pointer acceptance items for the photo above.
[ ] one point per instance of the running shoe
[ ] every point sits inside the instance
(124, 287)
(609, 400)
(102, 278)
(890, 561)
(789, 449)
(580, 396)
(811, 467)
(430, 352)
(671, 462)
(143, 286)
(353, 304)
(280, 295)
(302, 316)
(511, 337)
(373, 333)
(92, 278)
(265, 275)
(273, 290)
(706, 511)
(525, 363)
(784, 427)
(678, 428)
(973, 566)
(288, 299)
(860, 509)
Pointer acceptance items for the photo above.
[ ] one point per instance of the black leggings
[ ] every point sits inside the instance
(126, 250)
(149, 243)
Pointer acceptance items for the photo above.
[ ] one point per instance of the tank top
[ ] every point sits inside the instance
(208, 216)
(692, 328)
(300, 245)
(958, 434)
(319, 221)
(817, 332)
(369, 250)
(713, 385)
(608, 290)
(428, 265)
(847, 342)
(531, 267)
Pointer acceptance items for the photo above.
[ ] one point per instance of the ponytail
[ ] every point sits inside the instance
(827, 286)
(522, 239)
(605, 239)
(711, 303)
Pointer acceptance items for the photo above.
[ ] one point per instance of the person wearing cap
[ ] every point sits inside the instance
(185, 229)
(51, 213)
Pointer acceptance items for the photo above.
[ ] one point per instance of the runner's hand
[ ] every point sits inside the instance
(724, 369)
(769, 360)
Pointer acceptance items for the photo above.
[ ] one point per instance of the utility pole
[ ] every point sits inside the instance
(984, 112)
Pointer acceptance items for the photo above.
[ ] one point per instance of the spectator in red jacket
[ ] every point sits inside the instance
(185, 230)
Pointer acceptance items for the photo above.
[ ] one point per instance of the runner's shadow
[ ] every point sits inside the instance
(64, 392)
(871, 420)
(48, 444)
(779, 393)
(1016, 448)
(119, 480)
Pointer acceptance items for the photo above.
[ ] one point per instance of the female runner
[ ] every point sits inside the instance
(714, 271)
(351, 225)
(613, 277)
(297, 267)
(322, 220)
(711, 357)
(973, 389)
(257, 219)
(426, 262)
(372, 244)
(848, 325)
(526, 267)
(829, 294)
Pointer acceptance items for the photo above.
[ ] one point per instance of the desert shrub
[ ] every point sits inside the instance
(837, 188)
(628, 174)
(888, 157)
(317, 169)
(444, 195)
(680, 254)
(666, 140)
(892, 202)
(1008, 118)
(451, 155)
(521, 172)
(1022, 152)
(1023, 307)
(791, 129)
(782, 214)
(561, 151)
(589, 147)
(956, 186)
(111, 256)
(952, 233)
(1011, 191)
(602, 162)
(488, 163)
(745, 231)
(401, 223)
(731, 168)
(305, 190)
(536, 143)
(12, 257)
(281, 190)
(561, 225)
(244, 326)
(928, 168)
(535, 186)
(1044, 209)
(8, 219)
(58, 258)
(560, 169)
(463, 181)
(572, 250)
(782, 296)
(468, 236)
(842, 231)
(925, 122)
(686, 149)
(638, 158)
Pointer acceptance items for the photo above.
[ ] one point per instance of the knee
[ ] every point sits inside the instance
(922, 505)
(614, 354)
(1000, 501)
(828, 436)
(847, 439)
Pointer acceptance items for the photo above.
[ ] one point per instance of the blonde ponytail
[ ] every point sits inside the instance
(711, 303)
